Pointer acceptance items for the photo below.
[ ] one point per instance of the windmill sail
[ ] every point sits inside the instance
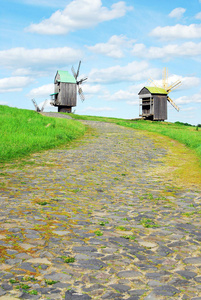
(42, 108)
(78, 70)
(76, 74)
(81, 94)
(35, 104)
(165, 79)
(167, 88)
(151, 81)
(174, 86)
(173, 104)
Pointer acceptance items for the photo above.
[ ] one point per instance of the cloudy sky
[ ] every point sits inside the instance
(121, 45)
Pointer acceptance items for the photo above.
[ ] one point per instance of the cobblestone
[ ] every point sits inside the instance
(91, 223)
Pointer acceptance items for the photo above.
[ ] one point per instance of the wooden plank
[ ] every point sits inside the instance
(68, 94)
(160, 107)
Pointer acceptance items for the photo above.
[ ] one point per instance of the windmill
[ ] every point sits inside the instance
(154, 98)
(38, 109)
(66, 87)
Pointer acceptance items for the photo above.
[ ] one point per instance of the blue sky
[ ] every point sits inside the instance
(121, 45)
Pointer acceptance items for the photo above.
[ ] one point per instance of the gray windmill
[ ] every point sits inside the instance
(65, 90)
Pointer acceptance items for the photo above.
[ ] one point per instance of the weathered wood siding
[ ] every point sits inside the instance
(160, 107)
(67, 94)
(144, 91)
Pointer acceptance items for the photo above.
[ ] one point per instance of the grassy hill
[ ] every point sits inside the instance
(23, 132)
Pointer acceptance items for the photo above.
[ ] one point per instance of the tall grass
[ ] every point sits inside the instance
(187, 135)
(23, 132)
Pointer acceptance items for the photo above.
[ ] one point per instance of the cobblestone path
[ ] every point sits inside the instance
(91, 223)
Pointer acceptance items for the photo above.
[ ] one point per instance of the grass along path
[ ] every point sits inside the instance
(183, 144)
(23, 132)
(187, 135)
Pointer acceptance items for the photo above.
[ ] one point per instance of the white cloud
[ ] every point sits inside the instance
(136, 88)
(188, 49)
(177, 12)
(91, 89)
(14, 84)
(196, 98)
(130, 95)
(22, 72)
(25, 60)
(42, 91)
(121, 95)
(115, 47)
(3, 103)
(79, 14)
(198, 16)
(178, 31)
(134, 71)
(188, 109)
(186, 82)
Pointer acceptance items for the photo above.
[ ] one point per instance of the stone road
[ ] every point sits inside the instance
(91, 223)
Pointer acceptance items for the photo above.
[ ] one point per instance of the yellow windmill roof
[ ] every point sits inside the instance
(156, 90)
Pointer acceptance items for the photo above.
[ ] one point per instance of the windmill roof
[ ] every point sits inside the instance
(156, 90)
(65, 76)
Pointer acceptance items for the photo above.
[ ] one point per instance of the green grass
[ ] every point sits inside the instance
(183, 133)
(98, 233)
(148, 223)
(23, 132)
(68, 259)
(187, 135)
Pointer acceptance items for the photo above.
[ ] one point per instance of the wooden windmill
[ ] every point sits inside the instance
(154, 99)
(65, 90)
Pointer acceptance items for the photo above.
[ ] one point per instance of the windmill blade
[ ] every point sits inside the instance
(165, 78)
(151, 81)
(78, 70)
(74, 73)
(80, 92)
(81, 80)
(172, 103)
(35, 104)
(174, 85)
(42, 108)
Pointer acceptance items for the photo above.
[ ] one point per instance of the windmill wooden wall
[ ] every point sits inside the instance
(153, 103)
(160, 107)
(66, 94)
